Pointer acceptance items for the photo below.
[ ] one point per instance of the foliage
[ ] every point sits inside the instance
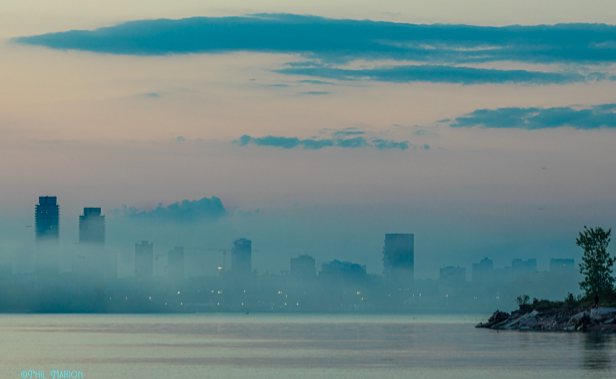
(596, 265)
(522, 301)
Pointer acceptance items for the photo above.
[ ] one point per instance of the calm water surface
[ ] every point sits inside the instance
(293, 346)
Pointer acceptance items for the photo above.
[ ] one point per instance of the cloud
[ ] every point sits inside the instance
(186, 211)
(325, 42)
(314, 93)
(348, 132)
(335, 39)
(599, 116)
(382, 144)
(315, 82)
(317, 144)
(443, 74)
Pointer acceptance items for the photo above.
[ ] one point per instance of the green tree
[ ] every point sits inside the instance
(596, 265)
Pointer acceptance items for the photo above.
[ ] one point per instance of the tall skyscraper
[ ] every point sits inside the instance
(144, 259)
(399, 259)
(241, 257)
(47, 220)
(175, 270)
(92, 227)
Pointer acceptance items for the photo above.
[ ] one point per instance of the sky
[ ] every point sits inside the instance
(486, 128)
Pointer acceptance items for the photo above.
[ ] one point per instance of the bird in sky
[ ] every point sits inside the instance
(544, 168)
(541, 209)
(253, 79)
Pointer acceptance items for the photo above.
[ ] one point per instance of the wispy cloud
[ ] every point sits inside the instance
(317, 144)
(313, 93)
(541, 118)
(444, 74)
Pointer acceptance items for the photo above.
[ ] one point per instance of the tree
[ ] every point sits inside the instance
(522, 301)
(596, 265)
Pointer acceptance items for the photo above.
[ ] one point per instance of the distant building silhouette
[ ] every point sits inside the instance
(303, 267)
(452, 276)
(451, 280)
(483, 271)
(241, 257)
(522, 266)
(92, 227)
(399, 259)
(144, 259)
(175, 270)
(47, 220)
(343, 271)
(562, 265)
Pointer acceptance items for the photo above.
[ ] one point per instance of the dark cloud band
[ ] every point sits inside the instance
(317, 144)
(599, 116)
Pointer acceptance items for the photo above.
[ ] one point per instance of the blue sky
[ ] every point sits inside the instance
(486, 129)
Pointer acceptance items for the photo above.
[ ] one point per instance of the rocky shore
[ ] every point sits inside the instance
(565, 319)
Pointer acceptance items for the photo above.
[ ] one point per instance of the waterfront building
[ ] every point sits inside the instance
(399, 259)
(92, 227)
(562, 265)
(47, 220)
(241, 258)
(144, 259)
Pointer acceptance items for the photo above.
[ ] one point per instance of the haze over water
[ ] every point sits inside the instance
(294, 346)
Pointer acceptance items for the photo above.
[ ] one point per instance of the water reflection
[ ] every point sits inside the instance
(597, 351)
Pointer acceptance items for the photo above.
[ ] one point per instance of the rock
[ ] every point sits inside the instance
(576, 318)
(600, 314)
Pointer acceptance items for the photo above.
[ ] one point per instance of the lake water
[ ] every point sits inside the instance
(294, 346)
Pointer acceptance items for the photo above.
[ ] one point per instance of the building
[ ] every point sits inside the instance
(175, 269)
(303, 267)
(452, 276)
(399, 259)
(241, 257)
(92, 227)
(144, 259)
(343, 271)
(451, 280)
(562, 265)
(523, 266)
(47, 220)
(483, 271)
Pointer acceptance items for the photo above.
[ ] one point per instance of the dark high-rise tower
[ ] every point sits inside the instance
(144, 259)
(241, 257)
(47, 220)
(176, 264)
(399, 259)
(92, 227)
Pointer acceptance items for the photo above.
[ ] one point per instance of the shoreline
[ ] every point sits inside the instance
(554, 319)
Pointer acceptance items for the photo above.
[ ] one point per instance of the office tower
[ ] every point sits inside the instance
(241, 257)
(562, 265)
(144, 259)
(399, 259)
(483, 271)
(175, 270)
(92, 227)
(47, 220)
(303, 267)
